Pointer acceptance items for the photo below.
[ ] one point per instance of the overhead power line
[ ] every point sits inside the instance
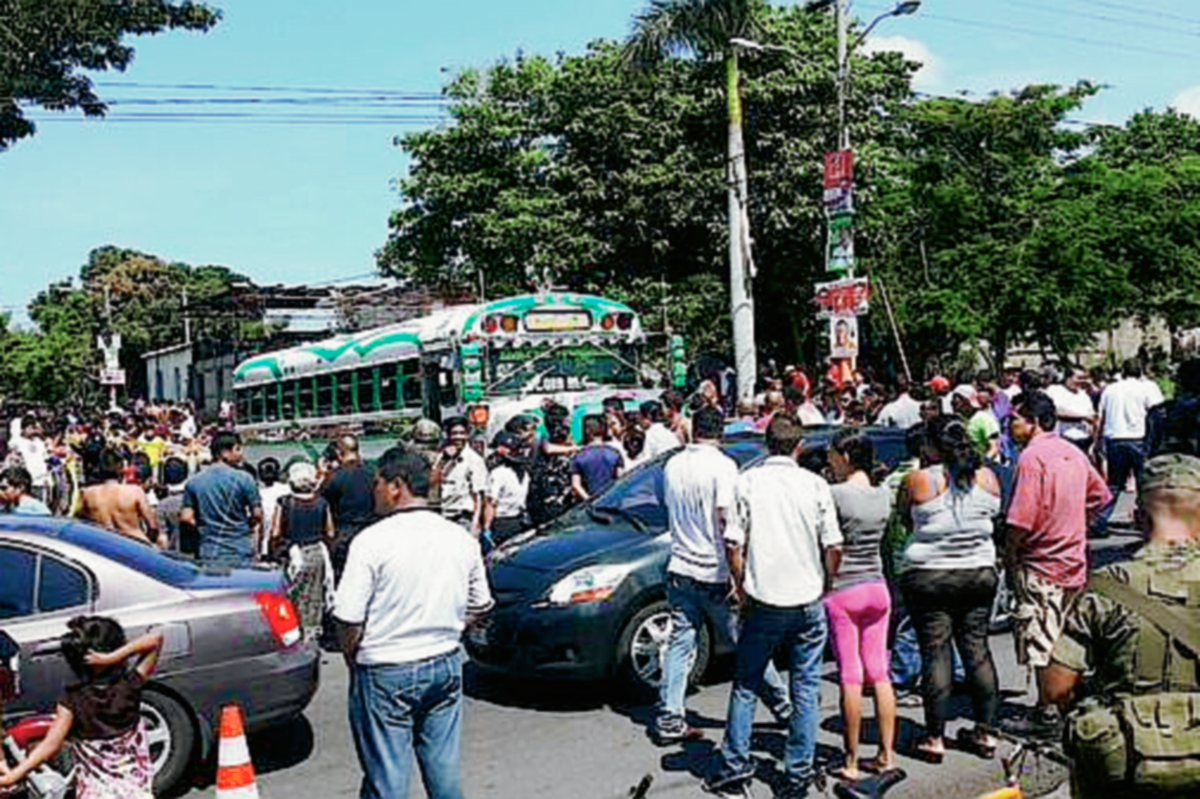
(1063, 37)
(1144, 11)
(124, 84)
(1066, 12)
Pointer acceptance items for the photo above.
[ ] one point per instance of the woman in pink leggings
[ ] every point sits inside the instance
(858, 602)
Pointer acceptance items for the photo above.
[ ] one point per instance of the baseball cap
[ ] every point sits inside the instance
(968, 393)
(939, 384)
(1173, 472)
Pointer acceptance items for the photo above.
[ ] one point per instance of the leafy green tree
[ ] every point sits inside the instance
(45, 43)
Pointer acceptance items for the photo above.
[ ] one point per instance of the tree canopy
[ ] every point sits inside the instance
(44, 44)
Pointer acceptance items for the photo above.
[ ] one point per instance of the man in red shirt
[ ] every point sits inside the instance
(1057, 492)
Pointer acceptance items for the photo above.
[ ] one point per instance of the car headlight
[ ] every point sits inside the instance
(590, 584)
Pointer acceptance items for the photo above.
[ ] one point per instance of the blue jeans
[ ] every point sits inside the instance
(1125, 456)
(396, 709)
(691, 600)
(801, 633)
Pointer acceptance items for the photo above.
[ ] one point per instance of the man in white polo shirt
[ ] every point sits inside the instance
(411, 582)
(698, 493)
(784, 541)
(463, 476)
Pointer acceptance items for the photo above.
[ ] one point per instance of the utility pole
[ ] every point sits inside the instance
(187, 320)
(741, 298)
(843, 71)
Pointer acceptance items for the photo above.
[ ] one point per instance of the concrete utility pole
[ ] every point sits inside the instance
(843, 70)
(741, 266)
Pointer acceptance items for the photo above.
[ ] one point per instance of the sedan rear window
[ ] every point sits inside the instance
(61, 587)
(16, 589)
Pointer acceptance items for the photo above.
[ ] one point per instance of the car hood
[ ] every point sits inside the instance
(572, 543)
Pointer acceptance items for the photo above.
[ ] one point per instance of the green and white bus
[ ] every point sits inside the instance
(491, 361)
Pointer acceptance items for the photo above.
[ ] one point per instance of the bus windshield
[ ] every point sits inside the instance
(549, 369)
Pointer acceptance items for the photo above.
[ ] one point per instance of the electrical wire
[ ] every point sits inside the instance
(1062, 37)
(1149, 12)
(1066, 12)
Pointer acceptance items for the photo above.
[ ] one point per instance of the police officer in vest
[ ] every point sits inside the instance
(1128, 662)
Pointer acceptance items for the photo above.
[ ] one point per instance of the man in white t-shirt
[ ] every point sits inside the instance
(699, 492)
(902, 412)
(659, 438)
(784, 542)
(412, 581)
(34, 455)
(1124, 406)
(1076, 413)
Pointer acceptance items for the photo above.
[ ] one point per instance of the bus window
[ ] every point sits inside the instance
(274, 401)
(389, 388)
(365, 381)
(308, 402)
(243, 403)
(287, 405)
(446, 389)
(324, 395)
(258, 406)
(413, 392)
(345, 393)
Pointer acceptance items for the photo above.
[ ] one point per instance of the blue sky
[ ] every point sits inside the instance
(309, 203)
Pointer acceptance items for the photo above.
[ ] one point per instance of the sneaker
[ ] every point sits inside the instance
(909, 699)
(671, 731)
(726, 783)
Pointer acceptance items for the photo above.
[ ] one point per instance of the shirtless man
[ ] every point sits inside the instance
(119, 507)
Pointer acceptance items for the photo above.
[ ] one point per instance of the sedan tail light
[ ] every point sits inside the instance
(281, 617)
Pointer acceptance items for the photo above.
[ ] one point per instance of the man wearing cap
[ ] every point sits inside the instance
(463, 476)
(412, 582)
(1058, 492)
(1130, 659)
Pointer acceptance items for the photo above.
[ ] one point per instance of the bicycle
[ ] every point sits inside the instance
(1032, 769)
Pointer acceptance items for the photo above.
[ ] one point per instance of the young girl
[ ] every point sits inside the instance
(100, 714)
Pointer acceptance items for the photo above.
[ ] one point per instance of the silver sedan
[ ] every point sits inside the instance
(231, 636)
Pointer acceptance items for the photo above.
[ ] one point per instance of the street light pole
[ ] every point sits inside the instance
(843, 69)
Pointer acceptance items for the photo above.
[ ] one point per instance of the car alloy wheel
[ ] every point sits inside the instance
(648, 648)
(171, 735)
(642, 648)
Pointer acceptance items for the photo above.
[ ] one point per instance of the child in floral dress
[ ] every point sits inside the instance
(100, 715)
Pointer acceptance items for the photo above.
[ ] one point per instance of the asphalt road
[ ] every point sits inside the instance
(523, 740)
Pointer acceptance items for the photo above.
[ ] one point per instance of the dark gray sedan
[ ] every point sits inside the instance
(231, 636)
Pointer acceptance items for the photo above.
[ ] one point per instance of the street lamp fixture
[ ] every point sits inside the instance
(901, 10)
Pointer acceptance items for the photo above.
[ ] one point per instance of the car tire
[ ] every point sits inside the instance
(643, 643)
(172, 735)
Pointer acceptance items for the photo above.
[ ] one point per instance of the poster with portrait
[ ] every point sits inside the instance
(843, 338)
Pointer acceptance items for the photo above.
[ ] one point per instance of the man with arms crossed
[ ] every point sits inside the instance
(411, 582)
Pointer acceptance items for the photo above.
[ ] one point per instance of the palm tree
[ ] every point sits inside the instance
(708, 29)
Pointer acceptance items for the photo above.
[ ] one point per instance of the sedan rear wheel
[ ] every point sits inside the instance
(172, 739)
(642, 648)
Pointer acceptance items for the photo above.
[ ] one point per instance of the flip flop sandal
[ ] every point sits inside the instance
(927, 755)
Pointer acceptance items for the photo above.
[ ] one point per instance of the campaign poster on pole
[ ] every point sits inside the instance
(843, 338)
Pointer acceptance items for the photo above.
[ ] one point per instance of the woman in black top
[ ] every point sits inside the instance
(302, 531)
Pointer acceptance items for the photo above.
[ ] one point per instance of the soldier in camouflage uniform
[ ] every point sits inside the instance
(1132, 681)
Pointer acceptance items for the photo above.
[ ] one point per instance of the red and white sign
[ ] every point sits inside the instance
(843, 299)
(839, 170)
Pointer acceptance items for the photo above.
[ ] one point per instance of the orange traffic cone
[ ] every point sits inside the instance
(235, 772)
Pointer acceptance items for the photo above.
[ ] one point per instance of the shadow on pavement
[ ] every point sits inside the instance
(533, 695)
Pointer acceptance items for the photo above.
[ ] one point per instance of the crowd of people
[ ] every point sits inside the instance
(1006, 480)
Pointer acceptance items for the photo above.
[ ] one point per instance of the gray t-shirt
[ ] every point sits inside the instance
(224, 499)
(863, 513)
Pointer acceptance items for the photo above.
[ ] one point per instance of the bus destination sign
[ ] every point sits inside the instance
(557, 321)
